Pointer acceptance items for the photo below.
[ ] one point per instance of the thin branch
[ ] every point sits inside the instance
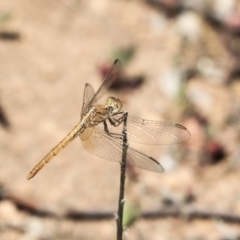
(191, 214)
(25, 205)
(122, 179)
(185, 213)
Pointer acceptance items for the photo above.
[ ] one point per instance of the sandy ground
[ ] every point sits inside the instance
(62, 44)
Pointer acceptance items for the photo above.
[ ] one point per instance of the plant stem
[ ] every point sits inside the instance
(122, 179)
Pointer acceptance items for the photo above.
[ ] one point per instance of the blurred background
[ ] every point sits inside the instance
(180, 63)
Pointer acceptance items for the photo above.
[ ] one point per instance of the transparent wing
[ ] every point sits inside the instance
(99, 143)
(87, 96)
(109, 79)
(86, 134)
(152, 132)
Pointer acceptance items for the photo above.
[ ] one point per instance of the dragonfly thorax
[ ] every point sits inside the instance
(114, 105)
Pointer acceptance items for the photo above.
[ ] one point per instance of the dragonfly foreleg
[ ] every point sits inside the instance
(115, 135)
(116, 121)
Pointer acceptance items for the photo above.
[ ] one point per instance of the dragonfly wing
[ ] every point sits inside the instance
(152, 132)
(86, 134)
(108, 81)
(87, 96)
(104, 146)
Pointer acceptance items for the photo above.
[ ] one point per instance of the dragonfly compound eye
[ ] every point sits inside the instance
(114, 105)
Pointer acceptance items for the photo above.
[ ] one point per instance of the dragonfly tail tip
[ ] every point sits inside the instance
(29, 177)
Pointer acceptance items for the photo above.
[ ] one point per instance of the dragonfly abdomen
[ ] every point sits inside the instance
(73, 134)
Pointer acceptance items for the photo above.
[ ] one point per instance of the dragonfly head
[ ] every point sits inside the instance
(114, 105)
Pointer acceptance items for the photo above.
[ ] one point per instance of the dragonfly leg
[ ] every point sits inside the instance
(115, 135)
(117, 121)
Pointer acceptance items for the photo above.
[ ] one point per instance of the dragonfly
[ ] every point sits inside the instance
(100, 127)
